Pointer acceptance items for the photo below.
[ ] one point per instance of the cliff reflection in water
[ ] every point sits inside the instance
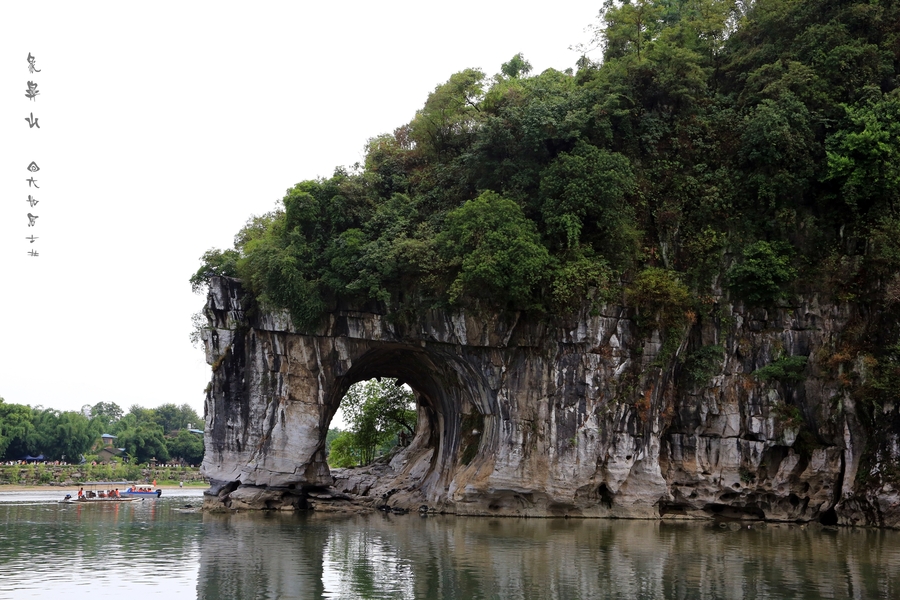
(50, 550)
(318, 555)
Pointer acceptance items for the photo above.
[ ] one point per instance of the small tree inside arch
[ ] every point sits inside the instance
(379, 414)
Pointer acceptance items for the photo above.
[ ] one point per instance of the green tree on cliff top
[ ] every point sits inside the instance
(710, 130)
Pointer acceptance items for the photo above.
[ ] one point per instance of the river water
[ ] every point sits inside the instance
(157, 548)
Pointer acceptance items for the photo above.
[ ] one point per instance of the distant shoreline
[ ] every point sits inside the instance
(65, 476)
(52, 488)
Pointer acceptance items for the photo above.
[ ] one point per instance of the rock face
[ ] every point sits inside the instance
(587, 417)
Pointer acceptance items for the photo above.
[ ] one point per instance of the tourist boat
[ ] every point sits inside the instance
(148, 490)
(99, 492)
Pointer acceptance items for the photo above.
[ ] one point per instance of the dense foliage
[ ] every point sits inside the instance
(380, 415)
(144, 433)
(728, 143)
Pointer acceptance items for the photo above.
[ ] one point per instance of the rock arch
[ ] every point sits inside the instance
(274, 392)
(445, 387)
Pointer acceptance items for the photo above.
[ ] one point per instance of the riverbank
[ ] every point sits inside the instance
(68, 475)
(195, 485)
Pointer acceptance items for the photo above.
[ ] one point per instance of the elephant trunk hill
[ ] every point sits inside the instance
(665, 283)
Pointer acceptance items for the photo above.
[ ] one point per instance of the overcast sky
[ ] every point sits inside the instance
(161, 127)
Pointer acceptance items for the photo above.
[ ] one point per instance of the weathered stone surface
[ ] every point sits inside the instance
(248, 497)
(584, 418)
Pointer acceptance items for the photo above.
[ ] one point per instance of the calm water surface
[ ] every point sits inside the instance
(152, 548)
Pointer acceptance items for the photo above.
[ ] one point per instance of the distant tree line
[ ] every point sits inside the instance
(144, 433)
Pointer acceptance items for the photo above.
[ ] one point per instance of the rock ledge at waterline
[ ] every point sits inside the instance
(581, 418)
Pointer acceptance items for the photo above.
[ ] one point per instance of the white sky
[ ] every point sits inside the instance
(164, 126)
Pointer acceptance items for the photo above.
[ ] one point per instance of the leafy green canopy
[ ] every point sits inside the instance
(765, 270)
(758, 139)
(491, 250)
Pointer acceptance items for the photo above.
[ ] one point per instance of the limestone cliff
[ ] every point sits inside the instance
(588, 416)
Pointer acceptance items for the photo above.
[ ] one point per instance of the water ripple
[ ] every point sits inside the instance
(150, 548)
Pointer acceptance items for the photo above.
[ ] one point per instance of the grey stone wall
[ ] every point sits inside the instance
(586, 417)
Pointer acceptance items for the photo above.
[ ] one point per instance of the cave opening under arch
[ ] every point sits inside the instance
(449, 409)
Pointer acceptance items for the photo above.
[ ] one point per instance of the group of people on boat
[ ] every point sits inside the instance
(91, 494)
